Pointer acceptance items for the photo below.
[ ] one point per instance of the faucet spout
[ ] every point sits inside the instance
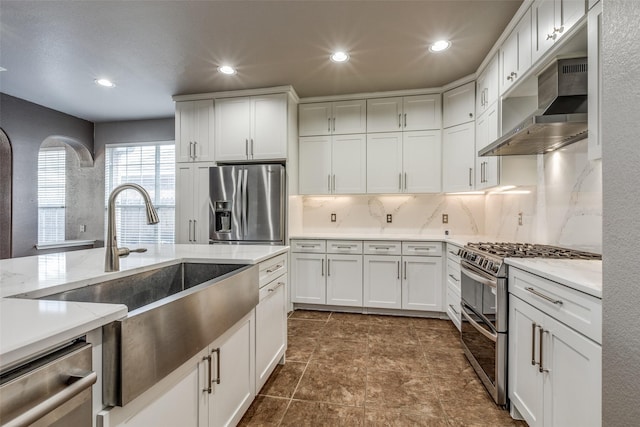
(113, 253)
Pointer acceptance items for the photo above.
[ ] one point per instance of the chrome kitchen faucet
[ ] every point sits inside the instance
(113, 253)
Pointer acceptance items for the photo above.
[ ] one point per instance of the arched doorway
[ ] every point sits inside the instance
(6, 195)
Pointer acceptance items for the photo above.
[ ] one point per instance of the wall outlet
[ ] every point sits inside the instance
(83, 228)
(389, 218)
(445, 218)
(333, 217)
(519, 218)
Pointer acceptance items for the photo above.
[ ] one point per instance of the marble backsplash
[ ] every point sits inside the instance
(564, 208)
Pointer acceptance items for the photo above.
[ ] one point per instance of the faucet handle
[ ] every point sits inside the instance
(126, 251)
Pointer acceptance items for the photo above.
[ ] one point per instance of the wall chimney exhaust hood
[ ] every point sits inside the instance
(561, 118)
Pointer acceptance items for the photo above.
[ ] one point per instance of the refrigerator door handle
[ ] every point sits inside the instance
(244, 202)
(238, 203)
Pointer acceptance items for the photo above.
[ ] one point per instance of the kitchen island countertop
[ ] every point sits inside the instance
(29, 327)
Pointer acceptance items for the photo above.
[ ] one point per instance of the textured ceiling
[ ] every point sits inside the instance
(152, 50)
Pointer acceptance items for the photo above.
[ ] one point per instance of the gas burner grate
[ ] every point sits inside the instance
(529, 250)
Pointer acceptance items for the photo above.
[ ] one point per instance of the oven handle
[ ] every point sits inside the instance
(35, 413)
(492, 337)
(478, 278)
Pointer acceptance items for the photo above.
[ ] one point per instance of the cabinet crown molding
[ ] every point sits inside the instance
(237, 93)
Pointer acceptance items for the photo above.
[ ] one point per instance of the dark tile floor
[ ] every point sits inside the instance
(367, 370)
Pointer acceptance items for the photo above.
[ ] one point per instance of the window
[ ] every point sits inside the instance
(51, 194)
(151, 165)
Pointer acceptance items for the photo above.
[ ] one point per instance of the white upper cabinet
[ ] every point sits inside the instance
(487, 168)
(194, 131)
(409, 113)
(487, 87)
(314, 155)
(384, 163)
(595, 85)
(251, 128)
(458, 158)
(422, 161)
(332, 118)
(550, 20)
(459, 105)
(516, 52)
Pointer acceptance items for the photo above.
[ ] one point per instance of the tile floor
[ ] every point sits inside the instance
(366, 370)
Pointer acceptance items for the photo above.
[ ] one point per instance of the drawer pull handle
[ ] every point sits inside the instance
(454, 277)
(381, 248)
(454, 310)
(276, 287)
(420, 248)
(346, 247)
(543, 296)
(453, 253)
(309, 246)
(277, 267)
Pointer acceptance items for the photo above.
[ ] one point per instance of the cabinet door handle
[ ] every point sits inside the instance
(334, 124)
(328, 267)
(405, 180)
(189, 230)
(322, 268)
(541, 339)
(454, 277)
(405, 270)
(470, 177)
(195, 224)
(195, 149)
(543, 296)
(405, 119)
(190, 150)
(329, 124)
(399, 181)
(334, 183)
(251, 148)
(533, 344)
(208, 388)
(329, 183)
(399, 120)
(246, 148)
(398, 269)
(217, 351)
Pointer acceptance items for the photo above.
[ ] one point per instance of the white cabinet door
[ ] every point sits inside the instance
(458, 158)
(384, 162)
(192, 202)
(234, 381)
(459, 105)
(384, 114)
(516, 52)
(487, 168)
(422, 161)
(314, 119)
(308, 278)
(421, 112)
(268, 127)
(568, 12)
(422, 283)
(349, 117)
(194, 131)
(344, 280)
(525, 382)
(348, 164)
(573, 383)
(233, 128)
(551, 19)
(595, 84)
(271, 328)
(382, 284)
(314, 155)
(487, 86)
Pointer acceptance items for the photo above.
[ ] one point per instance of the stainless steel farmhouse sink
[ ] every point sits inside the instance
(174, 312)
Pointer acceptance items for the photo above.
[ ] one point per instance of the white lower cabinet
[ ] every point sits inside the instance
(453, 282)
(554, 371)
(271, 328)
(308, 278)
(382, 284)
(344, 280)
(422, 283)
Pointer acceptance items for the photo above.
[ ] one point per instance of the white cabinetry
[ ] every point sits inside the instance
(458, 158)
(194, 131)
(332, 164)
(487, 87)
(487, 168)
(458, 105)
(344, 280)
(594, 28)
(251, 128)
(550, 20)
(271, 318)
(404, 162)
(516, 52)
(408, 113)
(192, 202)
(382, 283)
(332, 118)
(555, 356)
(308, 278)
(453, 284)
(422, 276)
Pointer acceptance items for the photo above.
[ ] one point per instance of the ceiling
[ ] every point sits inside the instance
(53, 50)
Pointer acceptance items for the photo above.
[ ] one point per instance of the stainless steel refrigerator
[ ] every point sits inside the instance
(247, 204)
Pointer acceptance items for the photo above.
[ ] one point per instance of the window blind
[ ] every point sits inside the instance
(51, 194)
(151, 165)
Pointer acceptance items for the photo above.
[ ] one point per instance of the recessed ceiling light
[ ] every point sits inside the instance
(227, 69)
(2, 69)
(105, 82)
(440, 45)
(340, 56)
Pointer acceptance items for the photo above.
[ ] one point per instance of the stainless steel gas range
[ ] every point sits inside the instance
(484, 305)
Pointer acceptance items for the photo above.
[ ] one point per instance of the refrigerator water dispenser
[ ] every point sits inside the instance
(222, 210)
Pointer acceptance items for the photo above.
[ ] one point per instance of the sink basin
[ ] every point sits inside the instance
(174, 312)
(142, 289)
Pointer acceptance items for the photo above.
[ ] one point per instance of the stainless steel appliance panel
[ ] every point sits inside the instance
(264, 203)
(225, 190)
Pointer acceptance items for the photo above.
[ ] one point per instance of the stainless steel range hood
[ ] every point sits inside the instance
(561, 118)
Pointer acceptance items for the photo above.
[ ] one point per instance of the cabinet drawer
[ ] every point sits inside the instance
(422, 248)
(271, 287)
(315, 246)
(382, 248)
(344, 247)
(453, 306)
(452, 252)
(272, 268)
(575, 309)
(453, 274)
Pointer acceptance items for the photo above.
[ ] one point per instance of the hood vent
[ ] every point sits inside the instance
(561, 118)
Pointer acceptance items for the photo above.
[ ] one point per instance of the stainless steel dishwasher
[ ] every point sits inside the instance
(53, 390)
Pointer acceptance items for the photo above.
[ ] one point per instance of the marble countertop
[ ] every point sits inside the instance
(582, 275)
(459, 240)
(29, 327)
